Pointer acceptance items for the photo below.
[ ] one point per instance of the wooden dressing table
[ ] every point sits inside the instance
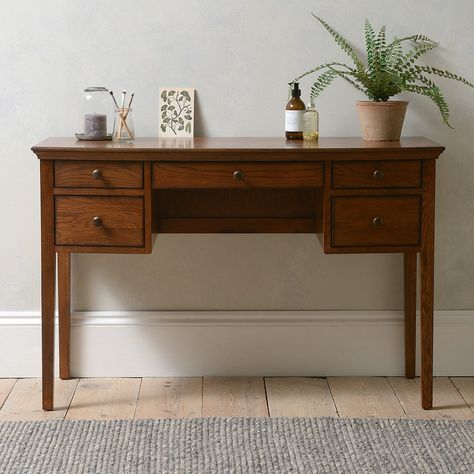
(358, 197)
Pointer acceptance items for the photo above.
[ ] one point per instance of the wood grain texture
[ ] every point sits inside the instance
(24, 401)
(410, 274)
(241, 203)
(64, 313)
(365, 397)
(299, 396)
(427, 283)
(78, 174)
(236, 226)
(447, 401)
(48, 282)
(222, 175)
(170, 398)
(234, 396)
(122, 220)
(352, 221)
(465, 386)
(376, 174)
(237, 149)
(147, 209)
(6, 386)
(104, 399)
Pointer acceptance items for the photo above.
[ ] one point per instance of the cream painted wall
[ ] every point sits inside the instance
(239, 55)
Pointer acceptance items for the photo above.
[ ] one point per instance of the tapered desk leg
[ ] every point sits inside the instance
(410, 313)
(48, 277)
(64, 312)
(427, 284)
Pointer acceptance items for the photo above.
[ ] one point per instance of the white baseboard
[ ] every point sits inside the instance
(194, 343)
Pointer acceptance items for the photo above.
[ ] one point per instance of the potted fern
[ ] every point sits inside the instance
(388, 70)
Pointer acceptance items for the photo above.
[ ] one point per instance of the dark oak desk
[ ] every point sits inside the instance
(357, 196)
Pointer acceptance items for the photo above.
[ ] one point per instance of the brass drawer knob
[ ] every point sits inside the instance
(238, 175)
(97, 174)
(97, 221)
(377, 221)
(379, 174)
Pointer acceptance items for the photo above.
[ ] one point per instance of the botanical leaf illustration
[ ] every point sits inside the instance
(176, 111)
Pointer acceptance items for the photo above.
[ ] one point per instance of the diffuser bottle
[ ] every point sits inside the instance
(311, 123)
(294, 114)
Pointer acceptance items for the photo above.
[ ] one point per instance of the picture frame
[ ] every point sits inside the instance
(176, 112)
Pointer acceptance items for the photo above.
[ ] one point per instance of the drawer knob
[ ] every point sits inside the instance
(377, 221)
(97, 221)
(379, 174)
(238, 175)
(97, 174)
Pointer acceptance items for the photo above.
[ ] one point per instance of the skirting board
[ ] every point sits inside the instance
(273, 343)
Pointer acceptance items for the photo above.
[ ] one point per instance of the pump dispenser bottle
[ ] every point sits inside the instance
(294, 114)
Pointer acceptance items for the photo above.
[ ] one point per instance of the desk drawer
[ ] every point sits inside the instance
(99, 220)
(237, 175)
(98, 174)
(376, 220)
(376, 174)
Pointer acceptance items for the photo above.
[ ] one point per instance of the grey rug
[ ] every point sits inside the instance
(247, 445)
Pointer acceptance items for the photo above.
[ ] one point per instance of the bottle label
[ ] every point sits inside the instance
(294, 120)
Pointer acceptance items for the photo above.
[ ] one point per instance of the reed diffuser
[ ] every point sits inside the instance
(123, 123)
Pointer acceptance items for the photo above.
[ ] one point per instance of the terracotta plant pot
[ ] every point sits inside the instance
(382, 120)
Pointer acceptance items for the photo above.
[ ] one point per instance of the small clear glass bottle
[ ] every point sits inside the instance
(311, 123)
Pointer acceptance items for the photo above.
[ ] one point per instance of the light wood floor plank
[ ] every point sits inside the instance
(299, 396)
(6, 386)
(365, 397)
(447, 402)
(465, 386)
(104, 399)
(234, 396)
(24, 401)
(170, 398)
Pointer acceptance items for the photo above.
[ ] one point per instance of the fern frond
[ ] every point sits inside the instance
(318, 68)
(418, 51)
(434, 93)
(323, 81)
(343, 43)
(414, 39)
(344, 75)
(370, 44)
(442, 73)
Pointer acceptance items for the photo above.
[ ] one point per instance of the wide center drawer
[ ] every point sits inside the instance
(99, 220)
(376, 174)
(237, 175)
(98, 174)
(376, 221)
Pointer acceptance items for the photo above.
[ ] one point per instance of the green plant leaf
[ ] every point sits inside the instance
(342, 42)
(188, 127)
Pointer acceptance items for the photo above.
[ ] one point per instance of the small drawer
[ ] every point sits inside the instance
(237, 175)
(99, 220)
(98, 174)
(376, 174)
(376, 221)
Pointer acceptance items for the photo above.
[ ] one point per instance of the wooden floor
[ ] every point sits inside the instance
(112, 398)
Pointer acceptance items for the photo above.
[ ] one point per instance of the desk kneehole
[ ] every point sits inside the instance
(376, 220)
(99, 220)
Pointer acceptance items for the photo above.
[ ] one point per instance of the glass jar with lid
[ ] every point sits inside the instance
(96, 108)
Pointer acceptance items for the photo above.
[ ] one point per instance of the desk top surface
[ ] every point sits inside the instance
(325, 144)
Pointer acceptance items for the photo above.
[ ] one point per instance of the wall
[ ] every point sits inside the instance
(239, 56)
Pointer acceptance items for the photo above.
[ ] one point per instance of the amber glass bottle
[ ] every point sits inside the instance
(294, 114)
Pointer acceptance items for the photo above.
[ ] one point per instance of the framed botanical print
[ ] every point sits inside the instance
(176, 112)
